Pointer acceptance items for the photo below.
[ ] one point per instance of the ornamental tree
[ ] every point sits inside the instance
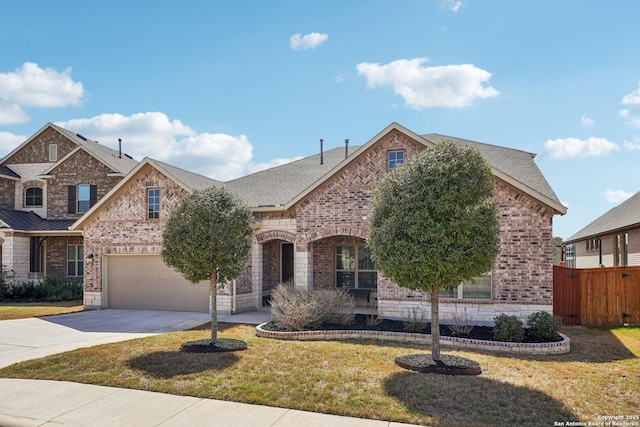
(208, 237)
(433, 223)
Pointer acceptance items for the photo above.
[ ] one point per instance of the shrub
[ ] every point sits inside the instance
(508, 328)
(5, 287)
(295, 309)
(461, 324)
(51, 289)
(416, 320)
(543, 325)
(24, 290)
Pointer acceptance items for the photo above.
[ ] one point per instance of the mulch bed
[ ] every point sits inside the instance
(221, 346)
(477, 333)
(451, 365)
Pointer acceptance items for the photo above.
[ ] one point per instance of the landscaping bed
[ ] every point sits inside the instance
(483, 333)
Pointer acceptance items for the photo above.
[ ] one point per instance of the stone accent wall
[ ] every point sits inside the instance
(81, 168)
(38, 150)
(7, 191)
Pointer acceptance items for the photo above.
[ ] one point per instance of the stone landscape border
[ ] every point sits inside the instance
(546, 348)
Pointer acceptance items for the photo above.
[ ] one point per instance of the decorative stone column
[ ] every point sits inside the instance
(303, 266)
(256, 273)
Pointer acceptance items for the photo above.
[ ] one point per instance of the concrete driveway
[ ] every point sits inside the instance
(25, 339)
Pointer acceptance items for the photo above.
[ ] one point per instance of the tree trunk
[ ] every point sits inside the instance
(435, 326)
(213, 279)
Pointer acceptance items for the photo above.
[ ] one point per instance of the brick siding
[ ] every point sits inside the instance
(81, 168)
(38, 150)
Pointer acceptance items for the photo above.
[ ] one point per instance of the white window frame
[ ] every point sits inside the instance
(155, 213)
(77, 261)
(395, 162)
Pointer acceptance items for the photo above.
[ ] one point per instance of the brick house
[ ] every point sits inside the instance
(46, 184)
(310, 229)
(611, 240)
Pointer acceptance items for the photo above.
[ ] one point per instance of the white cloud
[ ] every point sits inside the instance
(452, 5)
(451, 86)
(9, 141)
(308, 41)
(632, 145)
(565, 148)
(586, 121)
(632, 113)
(32, 86)
(153, 134)
(615, 196)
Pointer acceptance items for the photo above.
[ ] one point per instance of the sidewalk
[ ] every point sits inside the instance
(34, 403)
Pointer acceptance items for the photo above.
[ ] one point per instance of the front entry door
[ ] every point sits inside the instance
(286, 265)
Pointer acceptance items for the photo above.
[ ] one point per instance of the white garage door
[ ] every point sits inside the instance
(144, 282)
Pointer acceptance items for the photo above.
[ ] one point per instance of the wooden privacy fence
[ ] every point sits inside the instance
(591, 296)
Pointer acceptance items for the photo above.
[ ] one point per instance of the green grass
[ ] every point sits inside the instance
(359, 378)
(35, 309)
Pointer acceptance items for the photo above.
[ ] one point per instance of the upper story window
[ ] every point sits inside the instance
(33, 197)
(53, 152)
(153, 203)
(81, 198)
(593, 244)
(395, 158)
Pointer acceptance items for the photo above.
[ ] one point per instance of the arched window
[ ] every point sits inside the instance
(33, 197)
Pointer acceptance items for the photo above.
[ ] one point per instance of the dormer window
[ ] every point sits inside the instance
(33, 197)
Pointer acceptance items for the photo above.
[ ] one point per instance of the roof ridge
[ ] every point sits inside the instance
(479, 142)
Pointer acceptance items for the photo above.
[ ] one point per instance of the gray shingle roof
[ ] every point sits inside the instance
(280, 184)
(110, 157)
(518, 164)
(29, 221)
(189, 179)
(625, 215)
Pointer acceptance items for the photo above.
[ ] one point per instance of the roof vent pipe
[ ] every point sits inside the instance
(119, 148)
(321, 153)
(346, 148)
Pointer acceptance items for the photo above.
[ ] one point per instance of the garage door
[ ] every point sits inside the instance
(144, 282)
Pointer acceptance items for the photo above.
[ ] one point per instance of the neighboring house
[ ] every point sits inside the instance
(612, 240)
(311, 229)
(46, 184)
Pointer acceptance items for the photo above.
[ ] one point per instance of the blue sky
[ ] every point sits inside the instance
(226, 88)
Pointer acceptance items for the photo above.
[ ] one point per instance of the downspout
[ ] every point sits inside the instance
(599, 251)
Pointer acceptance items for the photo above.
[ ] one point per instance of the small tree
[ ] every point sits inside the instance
(433, 223)
(208, 237)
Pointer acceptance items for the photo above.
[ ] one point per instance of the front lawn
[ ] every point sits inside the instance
(359, 378)
(36, 309)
